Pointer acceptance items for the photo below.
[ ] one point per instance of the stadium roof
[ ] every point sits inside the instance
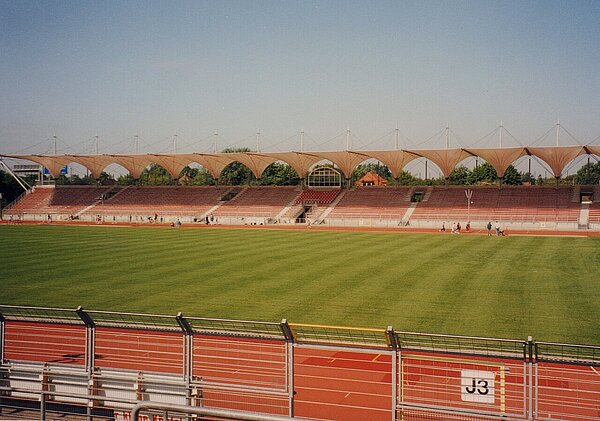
(557, 158)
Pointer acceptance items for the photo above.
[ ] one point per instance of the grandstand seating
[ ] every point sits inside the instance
(373, 202)
(514, 204)
(264, 202)
(66, 200)
(594, 217)
(509, 204)
(321, 197)
(162, 200)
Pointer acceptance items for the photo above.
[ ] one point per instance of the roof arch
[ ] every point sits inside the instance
(557, 157)
(53, 163)
(395, 160)
(346, 161)
(445, 159)
(135, 164)
(499, 158)
(299, 161)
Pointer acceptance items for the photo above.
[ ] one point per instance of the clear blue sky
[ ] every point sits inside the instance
(117, 69)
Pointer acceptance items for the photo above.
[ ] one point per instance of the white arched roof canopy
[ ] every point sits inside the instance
(346, 161)
(499, 158)
(257, 163)
(557, 157)
(445, 159)
(300, 162)
(135, 164)
(94, 163)
(395, 160)
(53, 163)
(593, 149)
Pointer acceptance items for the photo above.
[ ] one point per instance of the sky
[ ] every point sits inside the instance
(153, 69)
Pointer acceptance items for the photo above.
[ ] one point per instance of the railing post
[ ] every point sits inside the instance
(286, 330)
(188, 355)
(90, 338)
(393, 341)
(43, 406)
(2, 321)
(529, 359)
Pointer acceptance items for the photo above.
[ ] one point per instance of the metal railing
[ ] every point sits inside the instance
(116, 360)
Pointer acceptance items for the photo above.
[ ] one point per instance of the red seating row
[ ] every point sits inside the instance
(522, 203)
(162, 200)
(373, 202)
(322, 197)
(258, 201)
(59, 199)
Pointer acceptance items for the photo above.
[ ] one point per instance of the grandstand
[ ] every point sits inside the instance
(515, 207)
(255, 204)
(526, 206)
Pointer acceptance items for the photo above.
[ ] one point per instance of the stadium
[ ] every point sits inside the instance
(347, 295)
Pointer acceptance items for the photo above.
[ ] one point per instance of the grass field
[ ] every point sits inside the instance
(547, 287)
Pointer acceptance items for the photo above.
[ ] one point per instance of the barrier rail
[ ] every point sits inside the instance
(99, 362)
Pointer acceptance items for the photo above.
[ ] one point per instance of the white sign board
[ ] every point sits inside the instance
(477, 386)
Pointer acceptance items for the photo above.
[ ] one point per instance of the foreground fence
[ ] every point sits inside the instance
(99, 364)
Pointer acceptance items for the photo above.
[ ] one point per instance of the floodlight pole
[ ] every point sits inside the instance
(348, 139)
(397, 137)
(469, 195)
(447, 136)
(302, 140)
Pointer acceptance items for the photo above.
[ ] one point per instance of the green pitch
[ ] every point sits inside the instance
(512, 287)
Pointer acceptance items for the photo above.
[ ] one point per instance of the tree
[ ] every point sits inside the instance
(484, 173)
(459, 175)
(106, 178)
(155, 176)
(125, 180)
(379, 169)
(236, 173)
(527, 178)
(512, 176)
(278, 174)
(588, 174)
(9, 188)
(407, 179)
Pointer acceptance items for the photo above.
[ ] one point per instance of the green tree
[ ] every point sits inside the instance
(527, 178)
(155, 176)
(236, 173)
(459, 175)
(278, 174)
(9, 188)
(379, 169)
(512, 177)
(198, 176)
(407, 179)
(484, 173)
(588, 174)
(106, 178)
(126, 180)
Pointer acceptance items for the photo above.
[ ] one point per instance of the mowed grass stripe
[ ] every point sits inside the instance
(468, 284)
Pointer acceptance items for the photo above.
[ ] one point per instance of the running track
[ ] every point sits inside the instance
(330, 383)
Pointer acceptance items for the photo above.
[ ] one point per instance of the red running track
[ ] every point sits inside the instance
(329, 383)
